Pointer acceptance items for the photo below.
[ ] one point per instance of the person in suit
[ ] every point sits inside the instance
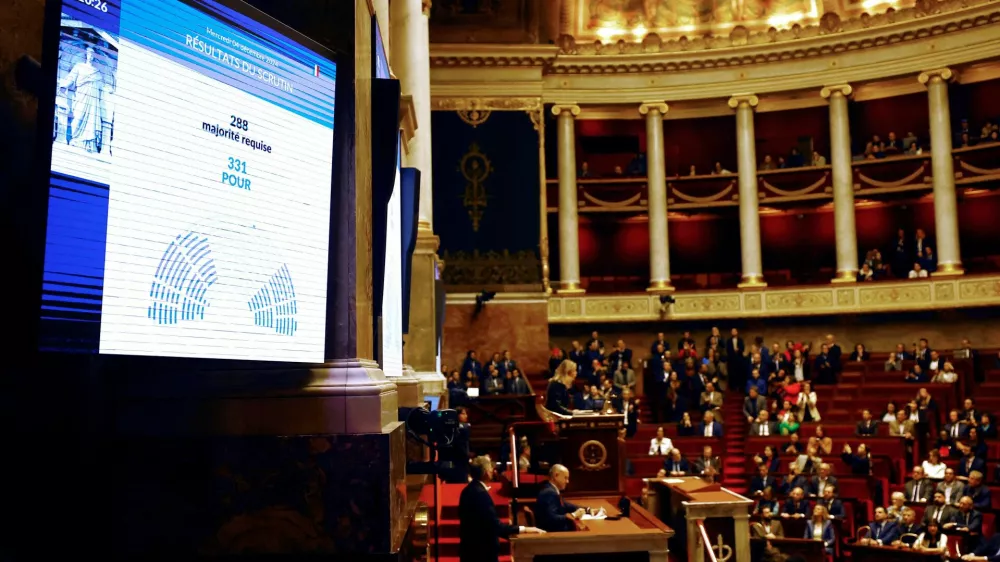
(480, 529)
(711, 399)
(709, 427)
(661, 340)
(918, 489)
(707, 464)
(796, 505)
(951, 487)
(988, 551)
(794, 479)
(507, 364)
(822, 480)
(768, 527)
(675, 465)
(939, 511)
(834, 507)
(835, 353)
(763, 427)
(762, 480)
(619, 357)
(735, 354)
(472, 369)
(967, 521)
(820, 528)
(881, 530)
(552, 512)
(753, 405)
(902, 426)
(969, 464)
(980, 494)
(909, 529)
(867, 427)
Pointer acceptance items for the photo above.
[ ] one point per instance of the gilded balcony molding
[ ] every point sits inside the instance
(485, 104)
(933, 293)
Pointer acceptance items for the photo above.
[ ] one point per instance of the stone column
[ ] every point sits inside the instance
(659, 246)
(411, 65)
(945, 201)
(569, 223)
(843, 183)
(753, 269)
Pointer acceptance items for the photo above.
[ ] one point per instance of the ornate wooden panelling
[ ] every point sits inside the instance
(919, 294)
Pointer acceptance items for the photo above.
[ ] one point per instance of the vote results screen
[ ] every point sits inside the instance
(189, 203)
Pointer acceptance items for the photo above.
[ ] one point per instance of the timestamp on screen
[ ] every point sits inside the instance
(98, 5)
(235, 173)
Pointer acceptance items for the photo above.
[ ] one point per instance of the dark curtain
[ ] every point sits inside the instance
(510, 217)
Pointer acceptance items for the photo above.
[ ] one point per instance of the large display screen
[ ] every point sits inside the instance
(392, 287)
(189, 203)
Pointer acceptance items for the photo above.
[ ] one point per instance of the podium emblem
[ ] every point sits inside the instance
(593, 455)
(723, 552)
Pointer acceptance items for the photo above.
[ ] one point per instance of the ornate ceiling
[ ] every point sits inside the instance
(635, 21)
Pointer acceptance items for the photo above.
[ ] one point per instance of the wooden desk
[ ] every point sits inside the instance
(861, 553)
(809, 550)
(640, 533)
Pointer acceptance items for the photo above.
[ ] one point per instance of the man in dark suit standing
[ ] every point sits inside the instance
(552, 512)
(736, 360)
(479, 527)
(867, 427)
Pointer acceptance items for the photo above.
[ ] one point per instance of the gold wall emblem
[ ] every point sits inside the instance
(475, 168)
(593, 455)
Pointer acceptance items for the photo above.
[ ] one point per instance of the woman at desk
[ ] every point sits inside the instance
(819, 528)
(932, 540)
(557, 395)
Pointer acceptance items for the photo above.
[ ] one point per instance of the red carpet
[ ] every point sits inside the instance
(734, 452)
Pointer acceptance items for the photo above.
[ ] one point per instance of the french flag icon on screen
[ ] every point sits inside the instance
(316, 71)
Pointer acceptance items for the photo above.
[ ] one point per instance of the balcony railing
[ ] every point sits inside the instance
(976, 165)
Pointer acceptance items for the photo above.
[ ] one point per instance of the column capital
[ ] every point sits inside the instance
(829, 91)
(647, 106)
(743, 99)
(938, 74)
(425, 7)
(570, 107)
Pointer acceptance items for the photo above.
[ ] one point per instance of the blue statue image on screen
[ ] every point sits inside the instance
(274, 305)
(184, 275)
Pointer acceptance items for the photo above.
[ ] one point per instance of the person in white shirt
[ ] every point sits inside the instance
(807, 401)
(660, 445)
(917, 271)
(933, 467)
(946, 375)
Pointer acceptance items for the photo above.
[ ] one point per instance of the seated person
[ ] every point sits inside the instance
(979, 493)
(952, 487)
(933, 467)
(796, 506)
(794, 479)
(820, 528)
(552, 512)
(822, 479)
(917, 272)
(675, 465)
(707, 464)
(939, 511)
(833, 506)
(768, 527)
(762, 481)
(594, 402)
(685, 427)
(881, 531)
(988, 551)
(916, 375)
(711, 399)
(763, 427)
(967, 520)
(766, 500)
(909, 529)
(897, 503)
(932, 540)
(918, 489)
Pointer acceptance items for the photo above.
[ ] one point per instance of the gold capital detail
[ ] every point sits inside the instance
(648, 106)
(425, 7)
(571, 108)
(938, 74)
(743, 99)
(475, 168)
(843, 89)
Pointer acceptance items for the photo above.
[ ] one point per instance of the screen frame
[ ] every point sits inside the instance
(37, 204)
